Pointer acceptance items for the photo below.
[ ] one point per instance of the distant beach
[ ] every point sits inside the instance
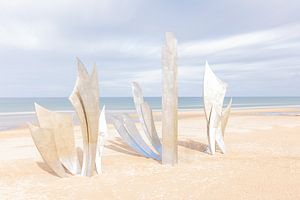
(26, 105)
(16, 112)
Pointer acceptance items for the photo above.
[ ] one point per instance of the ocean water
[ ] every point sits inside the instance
(16, 112)
(23, 105)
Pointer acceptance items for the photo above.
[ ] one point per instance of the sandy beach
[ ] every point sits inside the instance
(262, 162)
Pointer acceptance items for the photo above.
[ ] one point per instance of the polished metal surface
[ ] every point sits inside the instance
(169, 101)
(85, 100)
(129, 133)
(45, 142)
(214, 91)
(62, 128)
(145, 116)
(101, 140)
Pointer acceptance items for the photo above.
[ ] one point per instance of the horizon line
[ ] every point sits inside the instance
(144, 96)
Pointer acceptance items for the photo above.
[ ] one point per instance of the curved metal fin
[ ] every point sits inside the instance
(213, 123)
(225, 117)
(138, 100)
(137, 93)
(102, 122)
(85, 99)
(150, 126)
(62, 127)
(118, 122)
(220, 140)
(135, 135)
(101, 140)
(45, 143)
(144, 113)
(213, 91)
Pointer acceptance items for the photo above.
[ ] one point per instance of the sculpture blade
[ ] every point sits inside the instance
(45, 143)
(118, 123)
(144, 113)
(137, 93)
(101, 140)
(82, 72)
(213, 92)
(62, 127)
(225, 117)
(169, 101)
(220, 140)
(85, 99)
(102, 122)
(150, 126)
(134, 134)
(213, 123)
(138, 100)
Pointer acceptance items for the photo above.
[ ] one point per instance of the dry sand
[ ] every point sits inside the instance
(262, 162)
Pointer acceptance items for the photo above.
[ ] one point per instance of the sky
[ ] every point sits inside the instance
(253, 45)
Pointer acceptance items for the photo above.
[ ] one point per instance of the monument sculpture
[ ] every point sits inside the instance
(54, 137)
(152, 146)
(129, 132)
(85, 100)
(169, 101)
(213, 94)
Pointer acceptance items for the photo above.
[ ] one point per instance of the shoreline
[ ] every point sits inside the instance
(155, 110)
(11, 121)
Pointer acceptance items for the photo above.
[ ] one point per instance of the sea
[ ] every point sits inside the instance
(15, 112)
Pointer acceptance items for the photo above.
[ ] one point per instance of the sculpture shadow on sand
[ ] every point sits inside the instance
(193, 145)
(46, 168)
(119, 146)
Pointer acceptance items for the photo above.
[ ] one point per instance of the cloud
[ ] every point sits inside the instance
(264, 38)
(254, 53)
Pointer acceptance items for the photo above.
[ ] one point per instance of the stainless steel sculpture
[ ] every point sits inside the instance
(145, 116)
(85, 100)
(130, 134)
(45, 143)
(101, 140)
(213, 93)
(54, 137)
(62, 128)
(152, 148)
(169, 101)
